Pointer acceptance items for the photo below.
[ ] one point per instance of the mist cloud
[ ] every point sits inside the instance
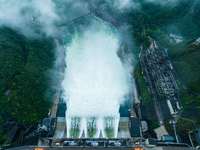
(70, 9)
(164, 2)
(121, 5)
(24, 14)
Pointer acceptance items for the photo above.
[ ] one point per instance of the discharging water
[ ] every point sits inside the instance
(95, 81)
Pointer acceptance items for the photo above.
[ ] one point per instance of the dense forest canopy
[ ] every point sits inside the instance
(23, 65)
(158, 21)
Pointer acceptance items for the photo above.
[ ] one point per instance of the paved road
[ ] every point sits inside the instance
(158, 111)
(188, 119)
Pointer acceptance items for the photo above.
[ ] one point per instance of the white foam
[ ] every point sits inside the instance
(95, 80)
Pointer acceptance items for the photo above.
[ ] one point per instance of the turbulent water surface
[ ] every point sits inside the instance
(95, 82)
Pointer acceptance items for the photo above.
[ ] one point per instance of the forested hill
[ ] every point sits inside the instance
(23, 66)
(180, 18)
(186, 58)
(158, 21)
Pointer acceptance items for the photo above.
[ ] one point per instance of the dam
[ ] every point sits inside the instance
(98, 90)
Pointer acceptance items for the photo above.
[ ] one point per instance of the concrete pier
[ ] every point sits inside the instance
(61, 130)
(123, 129)
(54, 107)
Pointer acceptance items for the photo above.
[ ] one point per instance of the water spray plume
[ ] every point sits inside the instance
(95, 81)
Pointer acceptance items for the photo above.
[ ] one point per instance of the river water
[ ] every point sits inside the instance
(95, 81)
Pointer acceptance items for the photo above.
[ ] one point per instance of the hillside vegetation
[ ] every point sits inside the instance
(23, 66)
(158, 22)
(186, 58)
